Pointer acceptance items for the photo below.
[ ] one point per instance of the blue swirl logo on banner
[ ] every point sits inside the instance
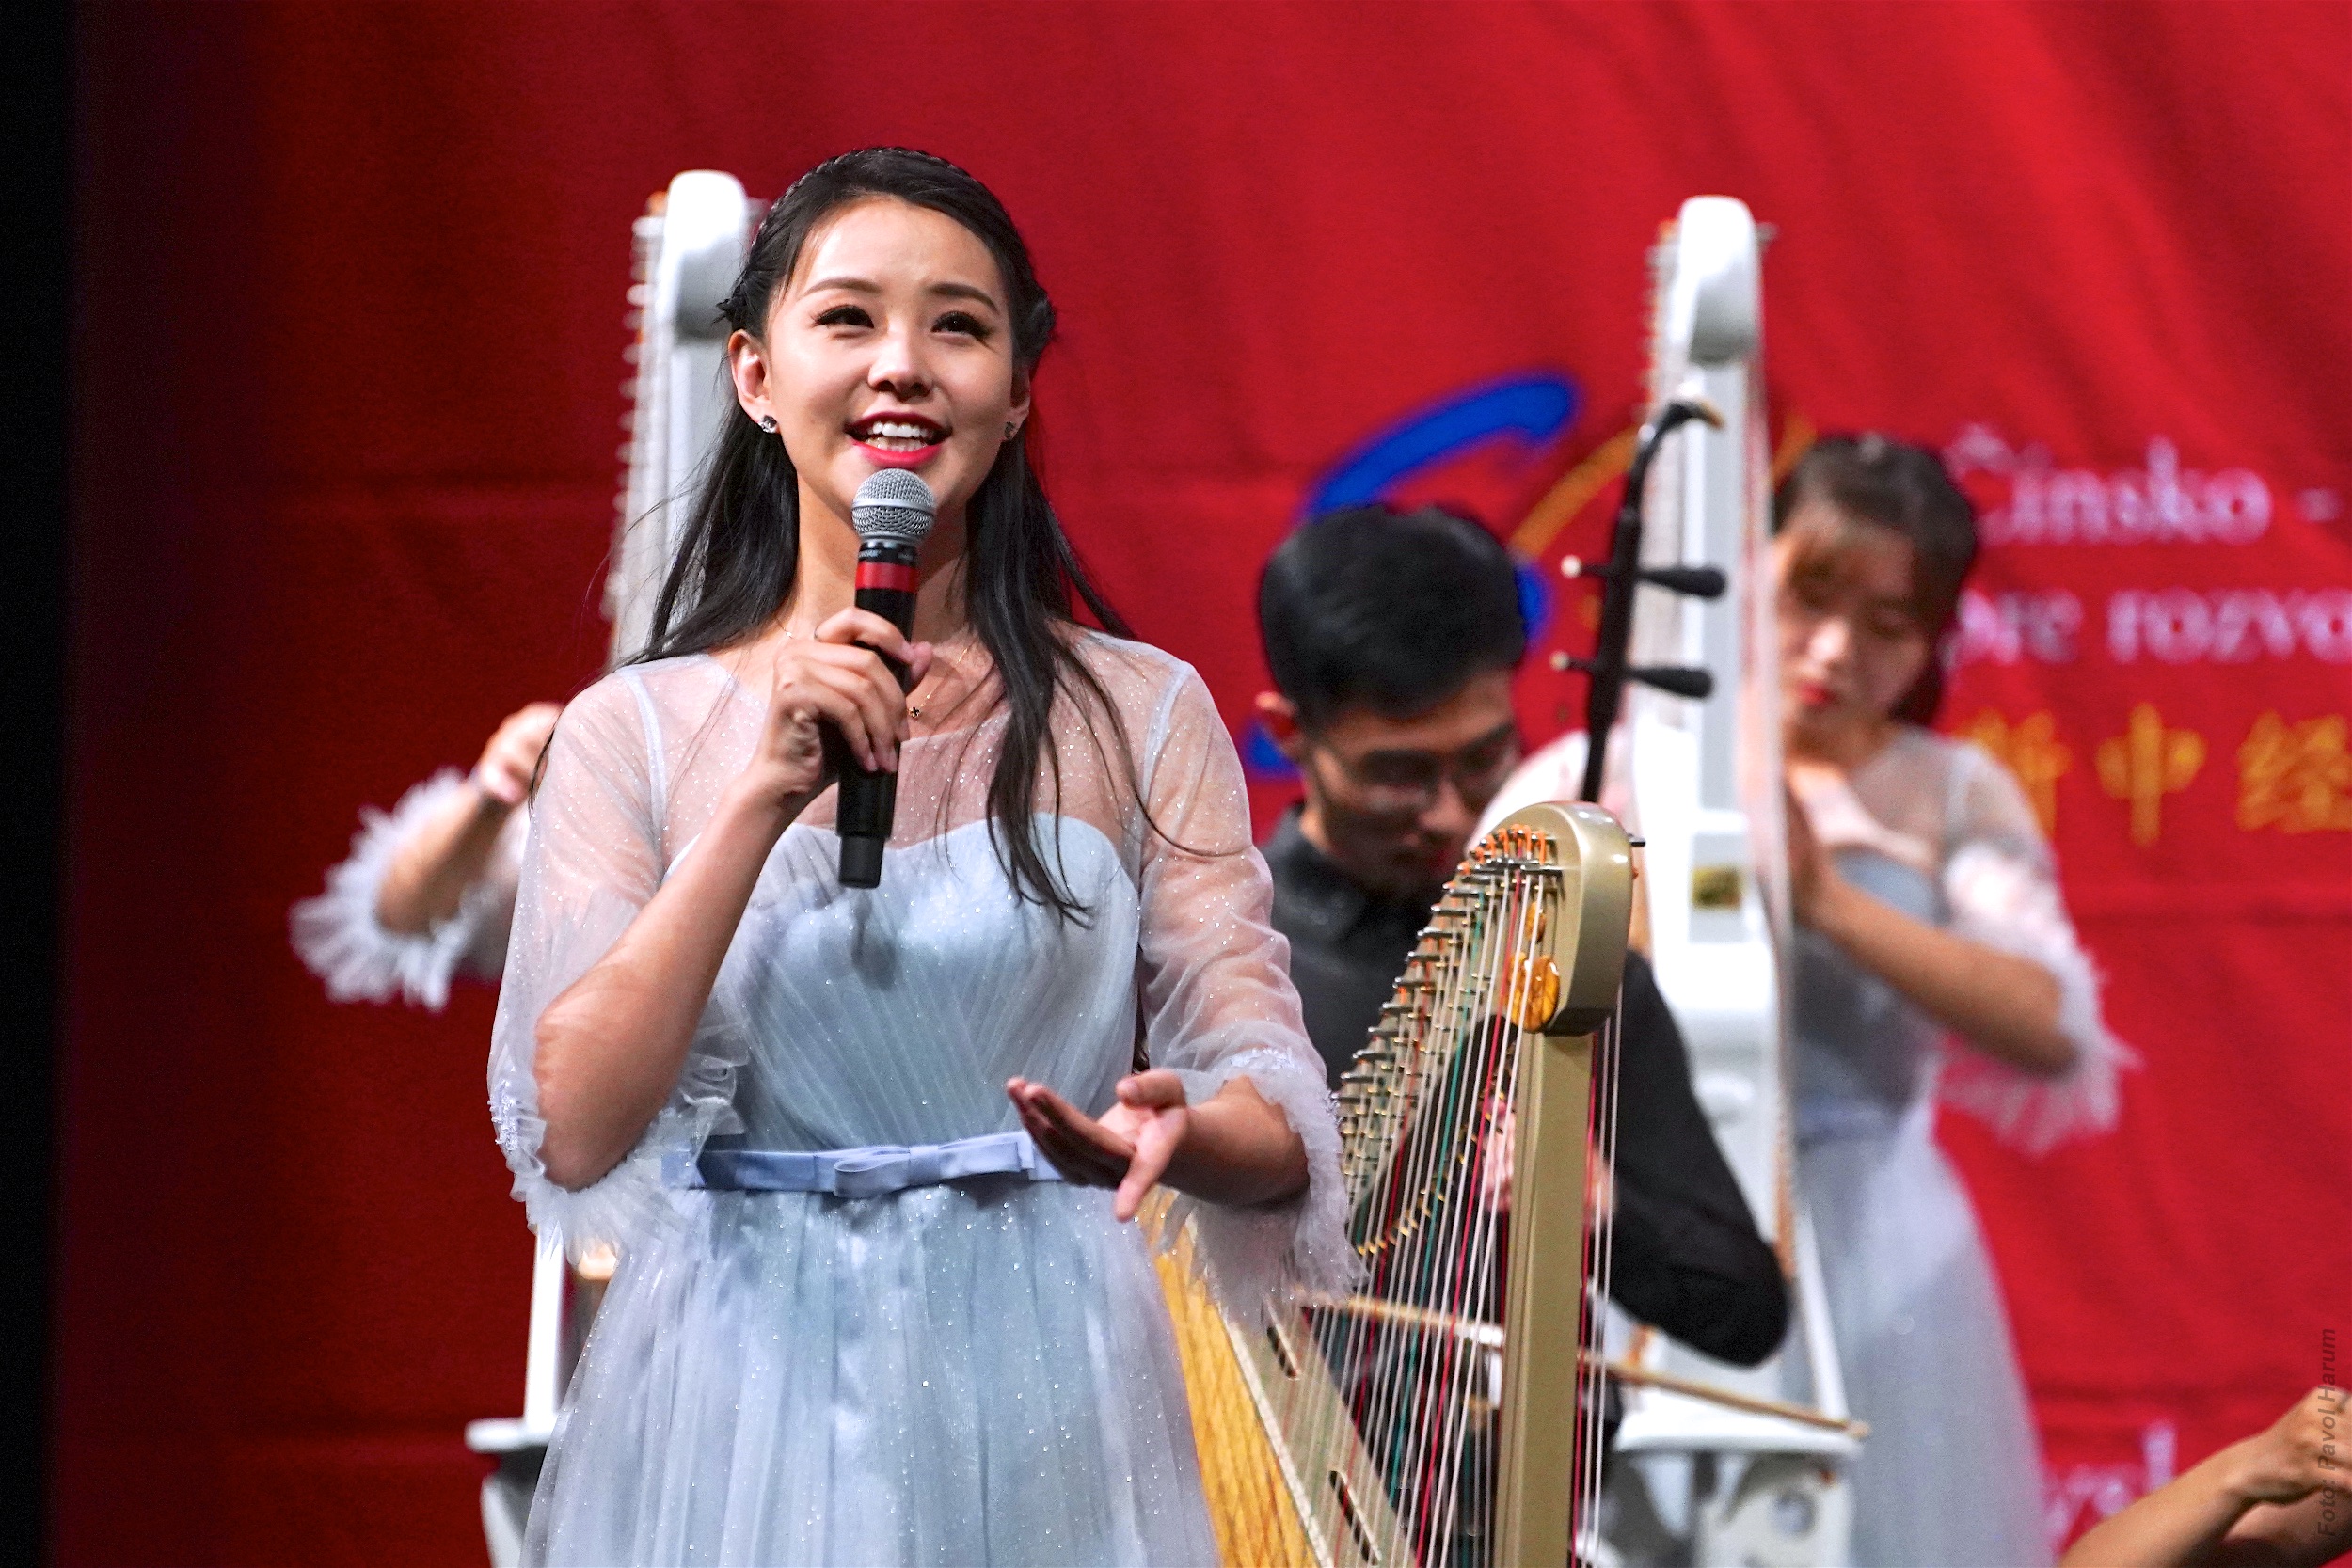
(1530, 410)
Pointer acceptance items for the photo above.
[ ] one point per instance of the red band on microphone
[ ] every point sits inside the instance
(883, 573)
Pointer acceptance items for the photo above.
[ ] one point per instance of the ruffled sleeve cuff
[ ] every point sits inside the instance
(628, 1201)
(337, 934)
(2006, 903)
(640, 1195)
(1273, 1253)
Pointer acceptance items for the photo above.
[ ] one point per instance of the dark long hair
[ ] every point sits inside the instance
(1894, 485)
(739, 553)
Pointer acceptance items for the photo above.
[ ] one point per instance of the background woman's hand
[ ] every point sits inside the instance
(512, 756)
(2305, 1449)
(829, 681)
(1128, 1148)
(2274, 1498)
(448, 851)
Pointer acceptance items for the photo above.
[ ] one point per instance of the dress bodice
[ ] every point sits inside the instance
(1863, 1055)
(894, 1017)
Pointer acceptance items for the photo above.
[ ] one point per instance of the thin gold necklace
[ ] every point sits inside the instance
(942, 667)
(914, 710)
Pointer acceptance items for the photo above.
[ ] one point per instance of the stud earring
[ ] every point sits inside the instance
(1010, 428)
(768, 423)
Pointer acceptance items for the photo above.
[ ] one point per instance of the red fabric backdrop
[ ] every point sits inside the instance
(349, 348)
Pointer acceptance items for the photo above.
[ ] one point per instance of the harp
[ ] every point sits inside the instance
(685, 251)
(1446, 1412)
(1756, 1458)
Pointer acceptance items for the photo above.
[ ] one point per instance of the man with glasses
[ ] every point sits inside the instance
(1393, 638)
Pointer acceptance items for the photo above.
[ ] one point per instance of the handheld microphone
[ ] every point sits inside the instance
(893, 514)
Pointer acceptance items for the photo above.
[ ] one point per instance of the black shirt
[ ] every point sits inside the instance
(1688, 1258)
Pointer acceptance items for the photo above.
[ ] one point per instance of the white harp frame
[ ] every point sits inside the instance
(688, 249)
(1707, 798)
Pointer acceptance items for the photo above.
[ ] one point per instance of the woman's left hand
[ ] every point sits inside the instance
(1128, 1148)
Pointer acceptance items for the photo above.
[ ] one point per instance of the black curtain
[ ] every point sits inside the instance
(36, 89)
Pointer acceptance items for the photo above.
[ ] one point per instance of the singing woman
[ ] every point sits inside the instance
(866, 1155)
(1928, 914)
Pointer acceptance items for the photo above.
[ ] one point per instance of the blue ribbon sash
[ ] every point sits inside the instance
(875, 1170)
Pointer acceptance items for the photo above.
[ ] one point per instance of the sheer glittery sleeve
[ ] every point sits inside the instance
(338, 936)
(595, 858)
(1217, 1004)
(2002, 887)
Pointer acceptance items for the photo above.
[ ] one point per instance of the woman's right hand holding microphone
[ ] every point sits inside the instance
(837, 678)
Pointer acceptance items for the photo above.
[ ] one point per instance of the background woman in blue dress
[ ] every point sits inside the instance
(1933, 952)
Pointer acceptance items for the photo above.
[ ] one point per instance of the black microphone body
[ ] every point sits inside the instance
(869, 801)
(893, 513)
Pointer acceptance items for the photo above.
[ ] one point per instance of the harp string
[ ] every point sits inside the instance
(1428, 1004)
(1474, 1442)
(1392, 1392)
(1469, 1262)
(1593, 1381)
(1408, 1393)
(1438, 1277)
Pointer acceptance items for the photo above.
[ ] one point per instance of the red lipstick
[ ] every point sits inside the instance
(914, 459)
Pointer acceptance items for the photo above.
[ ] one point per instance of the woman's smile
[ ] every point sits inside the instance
(892, 439)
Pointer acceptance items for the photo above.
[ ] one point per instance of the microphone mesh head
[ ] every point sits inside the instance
(893, 507)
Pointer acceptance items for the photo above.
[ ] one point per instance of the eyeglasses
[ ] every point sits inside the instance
(1399, 781)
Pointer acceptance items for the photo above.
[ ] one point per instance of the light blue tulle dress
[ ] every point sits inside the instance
(1950, 1474)
(975, 1372)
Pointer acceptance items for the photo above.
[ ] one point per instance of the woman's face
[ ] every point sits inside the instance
(888, 347)
(1850, 642)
